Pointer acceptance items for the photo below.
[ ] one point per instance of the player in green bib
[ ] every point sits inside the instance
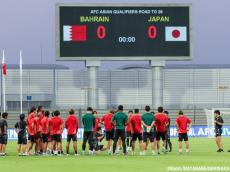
(148, 122)
(88, 121)
(120, 120)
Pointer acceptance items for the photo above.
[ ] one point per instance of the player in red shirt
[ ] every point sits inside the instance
(37, 133)
(136, 130)
(50, 132)
(183, 125)
(31, 113)
(30, 128)
(71, 124)
(45, 130)
(39, 142)
(97, 122)
(41, 112)
(32, 131)
(57, 128)
(161, 124)
(128, 132)
(109, 129)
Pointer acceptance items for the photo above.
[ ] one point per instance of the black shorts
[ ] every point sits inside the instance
(120, 133)
(56, 137)
(39, 135)
(149, 136)
(88, 136)
(22, 140)
(3, 139)
(72, 137)
(45, 138)
(182, 136)
(137, 136)
(160, 135)
(128, 134)
(218, 131)
(109, 135)
(32, 138)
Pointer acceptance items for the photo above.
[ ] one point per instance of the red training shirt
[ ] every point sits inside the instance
(71, 124)
(44, 124)
(182, 122)
(51, 127)
(31, 115)
(56, 122)
(97, 121)
(128, 126)
(31, 126)
(107, 119)
(41, 116)
(161, 122)
(135, 122)
(36, 126)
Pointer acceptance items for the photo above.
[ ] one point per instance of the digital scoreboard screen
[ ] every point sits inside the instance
(123, 32)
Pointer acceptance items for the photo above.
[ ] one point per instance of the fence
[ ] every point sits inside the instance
(183, 88)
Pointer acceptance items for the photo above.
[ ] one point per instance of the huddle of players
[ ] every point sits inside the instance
(155, 127)
(43, 131)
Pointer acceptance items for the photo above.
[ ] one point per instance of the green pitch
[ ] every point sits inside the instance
(203, 153)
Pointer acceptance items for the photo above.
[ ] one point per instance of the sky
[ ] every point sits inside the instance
(29, 25)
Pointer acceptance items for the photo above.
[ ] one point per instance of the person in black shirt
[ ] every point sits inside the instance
(98, 142)
(218, 130)
(3, 134)
(20, 128)
(168, 141)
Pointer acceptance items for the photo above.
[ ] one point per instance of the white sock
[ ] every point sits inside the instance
(110, 151)
(180, 150)
(187, 150)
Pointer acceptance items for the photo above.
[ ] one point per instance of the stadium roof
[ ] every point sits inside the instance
(178, 66)
(37, 66)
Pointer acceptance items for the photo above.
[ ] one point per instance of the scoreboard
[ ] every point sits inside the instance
(123, 32)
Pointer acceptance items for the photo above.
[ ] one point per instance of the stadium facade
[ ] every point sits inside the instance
(184, 87)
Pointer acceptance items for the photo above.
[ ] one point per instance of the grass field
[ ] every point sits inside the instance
(203, 153)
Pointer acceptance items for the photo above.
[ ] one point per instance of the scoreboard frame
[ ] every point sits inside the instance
(120, 58)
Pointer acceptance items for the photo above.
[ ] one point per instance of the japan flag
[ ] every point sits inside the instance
(178, 33)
